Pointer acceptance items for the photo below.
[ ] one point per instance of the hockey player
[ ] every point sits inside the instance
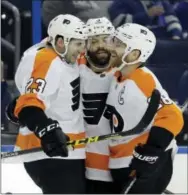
(96, 76)
(149, 153)
(49, 108)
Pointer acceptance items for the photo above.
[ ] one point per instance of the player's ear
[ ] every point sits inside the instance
(60, 42)
(136, 53)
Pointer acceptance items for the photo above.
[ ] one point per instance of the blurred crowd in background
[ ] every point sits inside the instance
(168, 19)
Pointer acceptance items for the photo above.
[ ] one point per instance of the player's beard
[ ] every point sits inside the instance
(115, 60)
(100, 58)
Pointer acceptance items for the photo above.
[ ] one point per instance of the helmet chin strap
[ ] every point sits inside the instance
(127, 64)
(124, 63)
(60, 54)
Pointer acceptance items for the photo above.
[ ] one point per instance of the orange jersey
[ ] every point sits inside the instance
(47, 82)
(129, 98)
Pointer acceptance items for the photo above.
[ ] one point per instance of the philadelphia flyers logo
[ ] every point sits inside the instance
(65, 21)
(116, 121)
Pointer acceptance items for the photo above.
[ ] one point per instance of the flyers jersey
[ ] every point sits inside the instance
(46, 81)
(127, 102)
(94, 90)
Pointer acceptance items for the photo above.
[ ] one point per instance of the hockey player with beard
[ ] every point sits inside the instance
(96, 76)
(149, 154)
(49, 108)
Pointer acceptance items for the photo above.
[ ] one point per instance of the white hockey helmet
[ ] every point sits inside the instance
(67, 26)
(99, 26)
(138, 37)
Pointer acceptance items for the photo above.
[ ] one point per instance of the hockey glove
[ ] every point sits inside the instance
(53, 140)
(9, 112)
(147, 160)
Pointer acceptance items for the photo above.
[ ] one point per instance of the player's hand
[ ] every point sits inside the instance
(53, 140)
(9, 112)
(155, 11)
(146, 160)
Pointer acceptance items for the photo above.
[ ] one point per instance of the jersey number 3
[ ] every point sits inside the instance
(35, 85)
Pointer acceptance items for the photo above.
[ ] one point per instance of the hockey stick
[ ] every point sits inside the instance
(144, 122)
(168, 192)
(132, 180)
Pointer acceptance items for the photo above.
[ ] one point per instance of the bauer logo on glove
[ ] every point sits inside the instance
(149, 159)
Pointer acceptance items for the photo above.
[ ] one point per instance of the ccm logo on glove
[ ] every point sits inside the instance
(149, 159)
(47, 129)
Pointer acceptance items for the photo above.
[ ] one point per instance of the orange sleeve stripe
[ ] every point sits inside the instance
(126, 149)
(170, 118)
(25, 142)
(76, 137)
(97, 161)
(31, 141)
(42, 64)
(28, 100)
(144, 81)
